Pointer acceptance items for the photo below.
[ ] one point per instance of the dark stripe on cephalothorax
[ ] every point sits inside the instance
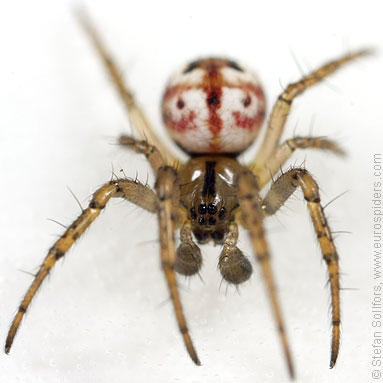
(209, 181)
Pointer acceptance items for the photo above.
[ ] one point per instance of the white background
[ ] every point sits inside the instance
(104, 315)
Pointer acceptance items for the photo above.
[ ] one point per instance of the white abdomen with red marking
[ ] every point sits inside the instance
(213, 106)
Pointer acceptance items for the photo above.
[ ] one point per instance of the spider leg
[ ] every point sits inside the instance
(280, 191)
(150, 151)
(137, 117)
(128, 189)
(166, 188)
(252, 220)
(283, 104)
(285, 150)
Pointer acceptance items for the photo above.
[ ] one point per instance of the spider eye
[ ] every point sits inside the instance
(202, 208)
(201, 220)
(193, 214)
(211, 208)
(222, 213)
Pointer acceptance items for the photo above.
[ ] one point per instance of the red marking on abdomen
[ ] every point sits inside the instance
(184, 124)
(249, 123)
(213, 102)
(171, 91)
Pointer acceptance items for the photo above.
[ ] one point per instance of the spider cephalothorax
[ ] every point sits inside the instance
(208, 195)
(213, 108)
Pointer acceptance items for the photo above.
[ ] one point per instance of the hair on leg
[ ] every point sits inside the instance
(252, 219)
(280, 191)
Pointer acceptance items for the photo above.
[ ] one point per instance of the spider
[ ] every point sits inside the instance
(213, 108)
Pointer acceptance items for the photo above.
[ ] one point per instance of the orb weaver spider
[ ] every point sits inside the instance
(213, 108)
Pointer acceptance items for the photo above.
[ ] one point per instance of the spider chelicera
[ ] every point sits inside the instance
(213, 108)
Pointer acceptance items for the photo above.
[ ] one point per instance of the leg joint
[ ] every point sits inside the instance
(57, 252)
(284, 99)
(96, 205)
(328, 258)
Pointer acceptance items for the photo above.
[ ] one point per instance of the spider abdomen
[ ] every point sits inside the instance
(213, 106)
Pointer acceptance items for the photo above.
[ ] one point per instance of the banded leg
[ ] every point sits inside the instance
(280, 191)
(130, 190)
(283, 104)
(136, 115)
(166, 187)
(151, 153)
(252, 219)
(284, 151)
